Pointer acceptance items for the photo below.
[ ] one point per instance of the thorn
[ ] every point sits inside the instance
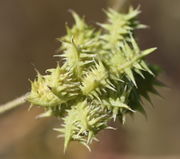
(30, 107)
(45, 114)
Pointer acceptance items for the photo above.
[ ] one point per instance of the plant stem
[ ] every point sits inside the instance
(14, 103)
(118, 4)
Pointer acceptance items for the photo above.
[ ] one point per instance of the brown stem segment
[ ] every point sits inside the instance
(14, 103)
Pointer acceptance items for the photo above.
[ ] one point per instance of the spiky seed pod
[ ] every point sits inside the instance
(79, 58)
(62, 83)
(53, 91)
(117, 29)
(58, 87)
(41, 94)
(83, 122)
(129, 58)
(80, 32)
(81, 45)
(119, 26)
(95, 80)
(117, 106)
(103, 77)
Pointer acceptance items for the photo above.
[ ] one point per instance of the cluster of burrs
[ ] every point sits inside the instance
(103, 77)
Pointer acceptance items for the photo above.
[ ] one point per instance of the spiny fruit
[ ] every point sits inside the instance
(103, 77)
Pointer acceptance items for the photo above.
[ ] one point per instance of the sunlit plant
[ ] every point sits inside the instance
(102, 78)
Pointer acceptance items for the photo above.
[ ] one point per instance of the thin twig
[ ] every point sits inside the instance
(13, 104)
(117, 4)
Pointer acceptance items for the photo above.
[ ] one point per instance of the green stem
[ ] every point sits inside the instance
(14, 103)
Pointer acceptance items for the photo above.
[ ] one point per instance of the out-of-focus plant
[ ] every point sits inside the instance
(103, 77)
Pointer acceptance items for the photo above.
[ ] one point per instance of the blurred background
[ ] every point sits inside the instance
(28, 32)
